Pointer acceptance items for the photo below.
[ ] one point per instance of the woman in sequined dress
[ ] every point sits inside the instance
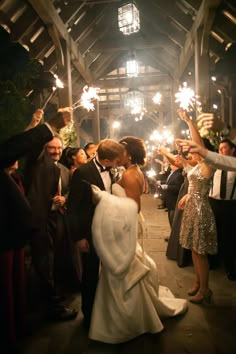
(198, 230)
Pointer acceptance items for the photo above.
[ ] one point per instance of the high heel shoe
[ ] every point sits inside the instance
(201, 297)
(193, 291)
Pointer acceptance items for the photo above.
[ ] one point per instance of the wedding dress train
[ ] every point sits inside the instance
(129, 300)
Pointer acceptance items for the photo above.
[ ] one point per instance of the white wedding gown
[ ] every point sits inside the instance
(129, 300)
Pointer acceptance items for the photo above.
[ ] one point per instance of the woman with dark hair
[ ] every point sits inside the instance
(76, 157)
(129, 300)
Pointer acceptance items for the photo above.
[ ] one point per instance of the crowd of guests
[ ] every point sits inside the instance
(220, 198)
(76, 207)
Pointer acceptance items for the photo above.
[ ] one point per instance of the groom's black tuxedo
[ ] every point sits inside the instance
(80, 207)
(80, 210)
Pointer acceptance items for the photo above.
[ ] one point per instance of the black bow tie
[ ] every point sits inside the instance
(102, 168)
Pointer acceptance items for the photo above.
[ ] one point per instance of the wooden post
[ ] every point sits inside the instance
(96, 124)
(202, 72)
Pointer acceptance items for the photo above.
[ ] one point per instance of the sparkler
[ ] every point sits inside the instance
(89, 94)
(164, 138)
(186, 98)
(157, 98)
(59, 84)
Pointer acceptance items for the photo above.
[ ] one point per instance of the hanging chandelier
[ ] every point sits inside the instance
(134, 101)
(128, 19)
(132, 68)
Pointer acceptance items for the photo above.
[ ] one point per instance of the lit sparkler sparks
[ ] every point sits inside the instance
(157, 98)
(58, 84)
(185, 97)
(89, 94)
(164, 138)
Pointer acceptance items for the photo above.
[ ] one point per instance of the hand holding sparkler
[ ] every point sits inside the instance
(61, 119)
(36, 118)
(192, 147)
(183, 115)
(58, 84)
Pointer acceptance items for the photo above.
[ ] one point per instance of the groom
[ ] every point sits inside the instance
(80, 210)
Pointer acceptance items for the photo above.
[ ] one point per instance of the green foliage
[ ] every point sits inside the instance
(15, 106)
(68, 135)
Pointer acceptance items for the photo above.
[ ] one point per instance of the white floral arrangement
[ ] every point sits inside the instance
(213, 138)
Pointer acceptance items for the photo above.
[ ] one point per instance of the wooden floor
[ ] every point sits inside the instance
(209, 329)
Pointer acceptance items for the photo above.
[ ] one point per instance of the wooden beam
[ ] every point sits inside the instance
(52, 30)
(207, 7)
(100, 65)
(147, 80)
(23, 25)
(171, 10)
(124, 44)
(152, 18)
(49, 16)
(40, 46)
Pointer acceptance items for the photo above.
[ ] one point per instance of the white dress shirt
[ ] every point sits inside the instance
(106, 178)
(215, 191)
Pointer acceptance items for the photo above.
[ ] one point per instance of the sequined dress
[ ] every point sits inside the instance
(198, 229)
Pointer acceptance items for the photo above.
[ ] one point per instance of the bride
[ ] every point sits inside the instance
(129, 300)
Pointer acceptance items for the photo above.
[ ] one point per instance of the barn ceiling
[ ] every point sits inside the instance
(163, 46)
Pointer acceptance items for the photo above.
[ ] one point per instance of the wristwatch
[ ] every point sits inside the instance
(225, 132)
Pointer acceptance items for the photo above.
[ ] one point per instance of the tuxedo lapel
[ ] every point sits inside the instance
(94, 176)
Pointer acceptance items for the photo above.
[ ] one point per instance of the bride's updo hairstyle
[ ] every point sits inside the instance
(135, 148)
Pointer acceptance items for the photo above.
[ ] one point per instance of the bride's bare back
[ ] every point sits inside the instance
(132, 181)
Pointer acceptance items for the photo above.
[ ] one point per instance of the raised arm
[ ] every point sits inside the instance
(192, 127)
(21, 144)
(35, 120)
(170, 157)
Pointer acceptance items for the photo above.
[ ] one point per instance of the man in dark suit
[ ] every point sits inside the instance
(47, 186)
(80, 209)
(15, 213)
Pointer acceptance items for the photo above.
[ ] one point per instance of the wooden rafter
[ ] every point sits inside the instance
(49, 16)
(205, 17)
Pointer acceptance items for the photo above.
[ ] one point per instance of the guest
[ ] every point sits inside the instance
(80, 211)
(198, 229)
(76, 157)
(223, 202)
(16, 224)
(171, 190)
(50, 244)
(12, 275)
(90, 150)
(222, 162)
(174, 250)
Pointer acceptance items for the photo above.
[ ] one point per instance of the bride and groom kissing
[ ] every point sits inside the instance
(103, 220)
